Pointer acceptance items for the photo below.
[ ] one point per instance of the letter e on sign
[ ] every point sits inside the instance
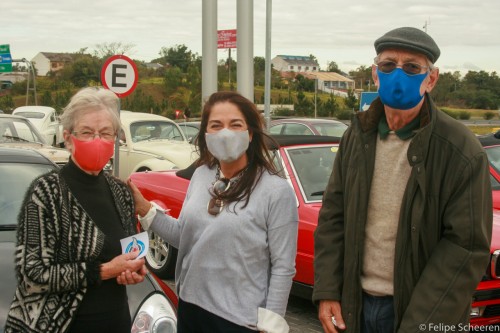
(119, 74)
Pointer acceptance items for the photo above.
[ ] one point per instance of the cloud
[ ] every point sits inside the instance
(331, 31)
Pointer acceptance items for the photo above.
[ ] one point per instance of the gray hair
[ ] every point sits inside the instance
(88, 100)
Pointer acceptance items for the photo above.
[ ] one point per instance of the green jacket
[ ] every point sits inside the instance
(444, 233)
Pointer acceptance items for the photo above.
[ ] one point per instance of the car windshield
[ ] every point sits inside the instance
(189, 130)
(155, 130)
(14, 181)
(18, 130)
(31, 114)
(329, 129)
(312, 167)
(494, 157)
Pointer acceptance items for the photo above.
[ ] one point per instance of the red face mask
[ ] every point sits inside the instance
(92, 155)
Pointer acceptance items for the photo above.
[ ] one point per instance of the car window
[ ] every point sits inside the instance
(494, 157)
(30, 114)
(189, 131)
(331, 129)
(154, 130)
(297, 129)
(276, 129)
(17, 130)
(312, 167)
(171, 132)
(495, 185)
(15, 179)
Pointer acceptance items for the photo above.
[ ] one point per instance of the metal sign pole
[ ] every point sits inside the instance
(116, 160)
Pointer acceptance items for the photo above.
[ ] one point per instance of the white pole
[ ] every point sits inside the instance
(316, 97)
(267, 84)
(209, 49)
(244, 44)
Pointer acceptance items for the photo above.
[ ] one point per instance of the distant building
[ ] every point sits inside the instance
(46, 62)
(153, 65)
(13, 77)
(331, 82)
(288, 63)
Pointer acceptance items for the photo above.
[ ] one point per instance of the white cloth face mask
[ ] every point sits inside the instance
(226, 145)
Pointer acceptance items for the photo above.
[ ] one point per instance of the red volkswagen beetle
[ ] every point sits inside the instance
(306, 161)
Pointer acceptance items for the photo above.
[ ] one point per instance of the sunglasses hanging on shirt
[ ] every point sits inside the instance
(220, 186)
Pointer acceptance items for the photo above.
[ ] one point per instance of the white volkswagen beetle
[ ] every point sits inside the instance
(45, 120)
(150, 142)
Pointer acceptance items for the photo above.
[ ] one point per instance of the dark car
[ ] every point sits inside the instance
(307, 126)
(152, 302)
(491, 143)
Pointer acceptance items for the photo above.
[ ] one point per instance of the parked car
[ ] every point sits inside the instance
(307, 126)
(17, 131)
(491, 143)
(150, 142)
(45, 120)
(152, 303)
(190, 129)
(307, 163)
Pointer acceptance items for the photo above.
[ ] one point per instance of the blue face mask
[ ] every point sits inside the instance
(400, 90)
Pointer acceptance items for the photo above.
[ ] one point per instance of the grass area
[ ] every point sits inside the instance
(481, 130)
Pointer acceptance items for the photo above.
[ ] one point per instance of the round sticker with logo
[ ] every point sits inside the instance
(135, 245)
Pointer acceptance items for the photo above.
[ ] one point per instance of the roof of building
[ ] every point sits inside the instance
(59, 57)
(298, 60)
(328, 76)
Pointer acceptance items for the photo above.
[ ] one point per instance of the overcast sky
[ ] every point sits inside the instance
(468, 32)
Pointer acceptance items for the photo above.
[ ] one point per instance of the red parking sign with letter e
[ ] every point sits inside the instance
(119, 74)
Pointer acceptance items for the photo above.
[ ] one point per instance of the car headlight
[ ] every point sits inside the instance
(155, 315)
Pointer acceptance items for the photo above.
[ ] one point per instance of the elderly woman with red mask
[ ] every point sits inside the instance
(70, 270)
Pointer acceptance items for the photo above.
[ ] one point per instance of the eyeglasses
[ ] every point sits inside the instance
(410, 68)
(216, 203)
(87, 135)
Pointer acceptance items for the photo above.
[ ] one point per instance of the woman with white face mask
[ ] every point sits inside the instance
(237, 231)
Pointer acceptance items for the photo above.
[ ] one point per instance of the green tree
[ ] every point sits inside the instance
(6, 103)
(351, 102)
(333, 67)
(84, 70)
(362, 76)
(259, 70)
(47, 98)
(329, 107)
(173, 79)
(304, 84)
(303, 106)
(179, 56)
(444, 91)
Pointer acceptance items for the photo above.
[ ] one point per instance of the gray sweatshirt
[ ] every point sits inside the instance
(232, 264)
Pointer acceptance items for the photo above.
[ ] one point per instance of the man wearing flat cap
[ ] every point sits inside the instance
(404, 231)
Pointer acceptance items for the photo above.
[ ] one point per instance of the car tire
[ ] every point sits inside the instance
(161, 257)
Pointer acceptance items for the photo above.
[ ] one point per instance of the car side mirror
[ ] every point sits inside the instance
(122, 143)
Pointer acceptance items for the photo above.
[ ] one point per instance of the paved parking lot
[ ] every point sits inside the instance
(300, 315)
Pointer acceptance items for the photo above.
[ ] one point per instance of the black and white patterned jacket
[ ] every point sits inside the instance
(56, 254)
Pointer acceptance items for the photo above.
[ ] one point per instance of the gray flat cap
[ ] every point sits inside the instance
(409, 38)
